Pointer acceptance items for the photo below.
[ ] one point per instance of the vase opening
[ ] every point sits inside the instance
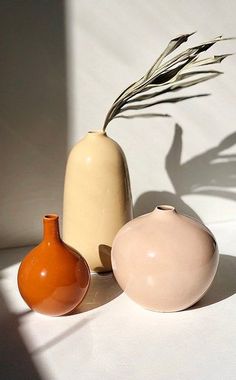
(98, 132)
(51, 216)
(165, 208)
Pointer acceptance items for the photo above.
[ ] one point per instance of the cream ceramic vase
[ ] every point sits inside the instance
(97, 198)
(164, 261)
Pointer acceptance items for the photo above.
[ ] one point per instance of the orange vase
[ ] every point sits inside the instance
(53, 278)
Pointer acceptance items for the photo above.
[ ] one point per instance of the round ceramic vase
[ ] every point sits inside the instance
(97, 198)
(53, 279)
(164, 261)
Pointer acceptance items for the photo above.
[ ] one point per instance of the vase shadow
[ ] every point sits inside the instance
(103, 289)
(105, 257)
(224, 284)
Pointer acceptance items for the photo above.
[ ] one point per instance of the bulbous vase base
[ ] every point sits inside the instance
(164, 261)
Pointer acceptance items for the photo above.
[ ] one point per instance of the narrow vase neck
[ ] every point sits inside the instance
(51, 227)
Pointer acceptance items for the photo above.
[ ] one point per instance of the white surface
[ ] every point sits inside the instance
(118, 339)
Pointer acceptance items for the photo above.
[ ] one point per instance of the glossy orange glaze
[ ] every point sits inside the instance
(53, 278)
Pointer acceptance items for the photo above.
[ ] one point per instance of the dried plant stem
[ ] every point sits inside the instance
(173, 75)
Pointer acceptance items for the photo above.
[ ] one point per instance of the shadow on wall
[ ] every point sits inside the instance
(209, 173)
(33, 120)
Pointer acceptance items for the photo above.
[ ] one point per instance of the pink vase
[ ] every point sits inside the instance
(163, 260)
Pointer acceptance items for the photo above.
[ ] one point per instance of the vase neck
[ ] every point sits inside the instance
(51, 227)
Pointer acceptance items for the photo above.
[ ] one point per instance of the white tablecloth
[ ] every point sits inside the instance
(112, 338)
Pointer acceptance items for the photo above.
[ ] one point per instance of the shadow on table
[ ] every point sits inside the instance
(224, 284)
(60, 337)
(103, 289)
(16, 361)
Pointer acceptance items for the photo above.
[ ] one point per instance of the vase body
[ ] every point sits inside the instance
(97, 198)
(53, 279)
(164, 261)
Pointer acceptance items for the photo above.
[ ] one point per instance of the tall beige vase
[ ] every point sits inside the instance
(97, 198)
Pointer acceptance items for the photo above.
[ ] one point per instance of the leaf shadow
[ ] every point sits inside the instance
(209, 173)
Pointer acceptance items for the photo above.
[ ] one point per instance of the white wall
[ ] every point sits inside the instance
(111, 44)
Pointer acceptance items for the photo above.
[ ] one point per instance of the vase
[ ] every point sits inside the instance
(97, 198)
(164, 261)
(53, 278)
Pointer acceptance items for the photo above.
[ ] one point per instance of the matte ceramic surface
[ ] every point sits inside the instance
(97, 198)
(164, 261)
(53, 279)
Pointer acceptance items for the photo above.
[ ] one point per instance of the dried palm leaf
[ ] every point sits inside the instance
(174, 74)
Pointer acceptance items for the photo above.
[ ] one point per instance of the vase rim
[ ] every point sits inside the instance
(50, 217)
(97, 132)
(165, 208)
